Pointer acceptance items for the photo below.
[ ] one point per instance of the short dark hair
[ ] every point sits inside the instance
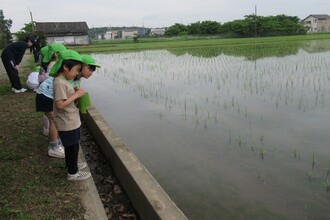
(91, 67)
(69, 64)
(30, 38)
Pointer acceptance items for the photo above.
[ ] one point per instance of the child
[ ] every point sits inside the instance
(49, 58)
(88, 67)
(32, 81)
(44, 103)
(66, 113)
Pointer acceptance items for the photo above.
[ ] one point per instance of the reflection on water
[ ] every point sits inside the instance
(226, 137)
(257, 51)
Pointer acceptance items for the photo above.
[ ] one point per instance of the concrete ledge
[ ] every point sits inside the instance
(146, 195)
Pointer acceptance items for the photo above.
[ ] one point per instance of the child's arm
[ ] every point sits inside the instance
(42, 76)
(60, 104)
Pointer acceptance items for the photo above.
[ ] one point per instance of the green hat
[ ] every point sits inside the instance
(37, 69)
(64, 55)
(53, 48)
(86, 59)
(44, 53)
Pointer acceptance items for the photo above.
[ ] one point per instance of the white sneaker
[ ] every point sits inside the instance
(45, 132)
(61, 148)
(56, 152)
(80, 175)
(18, 90)
(82, 166)
(13, 89)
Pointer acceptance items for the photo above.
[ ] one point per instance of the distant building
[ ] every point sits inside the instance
(130, 33)
(157, 32)
(317, 23)
(108, 35)
(134, 32)
(116, 34)
(68, 33)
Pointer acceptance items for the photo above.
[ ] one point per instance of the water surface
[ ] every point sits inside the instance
(228, 135)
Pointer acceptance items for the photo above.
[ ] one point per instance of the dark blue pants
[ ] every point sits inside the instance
(11, 72)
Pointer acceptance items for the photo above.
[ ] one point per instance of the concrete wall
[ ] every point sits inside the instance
(146, 195)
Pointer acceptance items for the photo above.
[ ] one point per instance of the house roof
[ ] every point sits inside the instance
(62, 28)
(130, 30)
(318, 16)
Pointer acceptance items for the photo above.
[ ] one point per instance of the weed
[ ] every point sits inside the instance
(262, 152)
(310, 175)
(327, 185)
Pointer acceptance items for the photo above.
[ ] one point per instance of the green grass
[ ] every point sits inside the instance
(168, 43)
(32, 185)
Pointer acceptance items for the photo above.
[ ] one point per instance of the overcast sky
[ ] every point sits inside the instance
(152, 13)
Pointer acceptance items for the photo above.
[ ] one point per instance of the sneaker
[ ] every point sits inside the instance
(82, 166)
(13, 89)
(80, 175)
(45, 132)
(18, 90)
(56, 152)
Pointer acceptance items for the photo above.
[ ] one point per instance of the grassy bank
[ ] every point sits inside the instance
(167, 43)
(32, 185)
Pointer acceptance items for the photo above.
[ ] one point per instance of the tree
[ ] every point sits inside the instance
(176, 30)
(5, 35)
(29, 30)
(203, 28)
(209, 27)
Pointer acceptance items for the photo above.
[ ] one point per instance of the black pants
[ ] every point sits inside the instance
(11, 72)
(71, 158)
(70, 141)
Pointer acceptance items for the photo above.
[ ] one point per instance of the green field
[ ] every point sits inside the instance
(107, 46)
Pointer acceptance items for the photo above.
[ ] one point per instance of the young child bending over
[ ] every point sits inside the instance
(66, 113)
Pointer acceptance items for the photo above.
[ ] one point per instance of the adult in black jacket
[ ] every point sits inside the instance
(11, 57)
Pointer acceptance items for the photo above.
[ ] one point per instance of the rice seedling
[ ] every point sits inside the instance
(261, 152)
(229, 139)
(310, 175)
(295, 153)
(327, 185)
(261, 138)
(240, 141)
(205, 124)
(252, 149)
(313, 161)
(259, 173)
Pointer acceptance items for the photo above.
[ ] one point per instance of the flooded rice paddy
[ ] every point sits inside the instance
(229, 133)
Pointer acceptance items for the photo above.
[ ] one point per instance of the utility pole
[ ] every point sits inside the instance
(32, 23)
(255, 21)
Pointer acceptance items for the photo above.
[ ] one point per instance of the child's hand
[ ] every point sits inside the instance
(79, 91)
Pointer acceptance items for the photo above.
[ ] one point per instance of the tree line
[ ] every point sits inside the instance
(5, 25)
(250, 26)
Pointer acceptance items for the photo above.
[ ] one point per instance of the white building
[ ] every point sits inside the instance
(157, 31)
(317, 23)
(108, 35)
(68, 33)
(129, 33)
